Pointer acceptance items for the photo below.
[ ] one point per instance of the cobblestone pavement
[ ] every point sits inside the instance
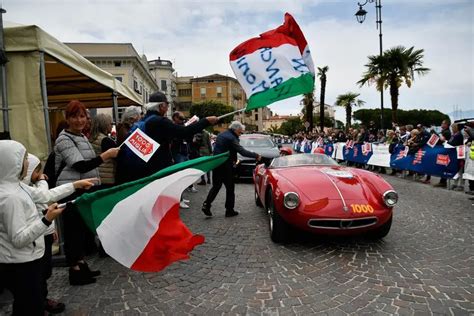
(424, 266)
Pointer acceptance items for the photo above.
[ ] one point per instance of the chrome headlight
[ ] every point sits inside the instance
(390, 198)
(291, 200)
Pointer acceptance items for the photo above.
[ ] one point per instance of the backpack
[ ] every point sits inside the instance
(50, 167)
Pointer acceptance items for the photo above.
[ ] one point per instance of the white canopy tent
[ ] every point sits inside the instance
(43, 75)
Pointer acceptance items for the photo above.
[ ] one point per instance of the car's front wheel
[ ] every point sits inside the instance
(279, 229)
(381, 231)
(257, 199)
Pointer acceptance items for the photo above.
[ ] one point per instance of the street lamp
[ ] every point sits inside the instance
(360, 16)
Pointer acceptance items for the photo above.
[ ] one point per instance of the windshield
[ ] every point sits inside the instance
(302, 160)
(256, 142)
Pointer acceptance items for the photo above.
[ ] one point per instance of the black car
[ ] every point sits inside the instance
(262, 145)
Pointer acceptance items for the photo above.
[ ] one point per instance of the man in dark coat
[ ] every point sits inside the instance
(162, 130)
(227, 141)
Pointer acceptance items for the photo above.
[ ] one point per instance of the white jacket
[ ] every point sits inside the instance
(21, 226)
(40, 192)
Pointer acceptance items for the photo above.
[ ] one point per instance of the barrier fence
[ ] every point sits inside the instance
(440, 161)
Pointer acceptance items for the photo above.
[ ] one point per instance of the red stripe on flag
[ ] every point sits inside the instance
(288, 33)
(257, 43)
(291, 29)
(172, 241)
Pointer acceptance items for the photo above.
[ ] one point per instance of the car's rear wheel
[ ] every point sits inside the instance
(279, 229)
(382, 231)
(257, 199)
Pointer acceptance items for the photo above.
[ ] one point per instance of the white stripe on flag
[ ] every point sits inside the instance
(273, 66)
(130, 225)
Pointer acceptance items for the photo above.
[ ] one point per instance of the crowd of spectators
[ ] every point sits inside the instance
(413, 137)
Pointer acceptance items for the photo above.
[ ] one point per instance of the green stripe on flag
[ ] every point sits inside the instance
(290, 88)
(94, 207)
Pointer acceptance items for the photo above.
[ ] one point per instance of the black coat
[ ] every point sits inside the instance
(229, 141)
(162, 130)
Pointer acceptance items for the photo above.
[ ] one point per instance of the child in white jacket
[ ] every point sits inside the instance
(42, 196)
(21, 233)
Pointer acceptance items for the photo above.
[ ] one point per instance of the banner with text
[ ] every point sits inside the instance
(437, 161)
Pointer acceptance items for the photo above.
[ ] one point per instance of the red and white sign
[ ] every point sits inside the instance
(442, 160)
(461, 152)
(366, 148)
(403, 153)
(192, 120)
(141, 144)
(433, 140)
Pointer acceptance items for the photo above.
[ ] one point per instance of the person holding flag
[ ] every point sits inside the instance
(162, 130)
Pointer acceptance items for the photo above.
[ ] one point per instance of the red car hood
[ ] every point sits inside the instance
(329, 182)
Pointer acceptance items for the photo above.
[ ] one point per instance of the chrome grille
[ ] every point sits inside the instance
(335, 223)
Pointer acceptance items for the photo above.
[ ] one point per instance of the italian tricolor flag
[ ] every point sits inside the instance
(275, 66)
(138, 223)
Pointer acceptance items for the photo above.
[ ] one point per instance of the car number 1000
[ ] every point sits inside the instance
(362, 208)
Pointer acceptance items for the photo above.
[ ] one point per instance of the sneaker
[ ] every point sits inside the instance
(426, 181)
(192, 189)
(202, 182)
(470, 192)
(206, 209)
(185, 201)
(231, 213)
(440, 185)
(182, 204)
(54, 307)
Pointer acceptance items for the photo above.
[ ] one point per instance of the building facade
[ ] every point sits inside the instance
(123, 62)
(222, 89)
(329, 110)
(185, 94)
(218, 88)
(275, 121)
(165, 77)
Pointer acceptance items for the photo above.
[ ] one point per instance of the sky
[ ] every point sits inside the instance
(198, 35)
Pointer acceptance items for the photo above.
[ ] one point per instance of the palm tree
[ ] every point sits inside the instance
(396, 66)
(322, 78)
(347, 101)
(274, 129)
(308, 108)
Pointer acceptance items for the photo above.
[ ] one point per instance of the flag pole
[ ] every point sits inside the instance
(63, 205)
(230, 113)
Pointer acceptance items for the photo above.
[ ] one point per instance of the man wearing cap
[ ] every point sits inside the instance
(223, 174)
(162, 130)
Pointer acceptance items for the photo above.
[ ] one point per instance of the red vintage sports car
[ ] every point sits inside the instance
(312, 192)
